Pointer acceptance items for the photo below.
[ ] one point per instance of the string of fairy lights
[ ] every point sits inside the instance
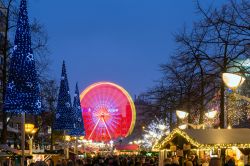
(22, 92)
(154, 132)
(161, 144)
(64, 114)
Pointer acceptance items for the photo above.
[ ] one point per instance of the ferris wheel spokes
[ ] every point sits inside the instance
(94, 128)
(106, 127)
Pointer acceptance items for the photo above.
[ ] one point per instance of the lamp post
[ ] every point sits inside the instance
(30, 130)
(67, 138)
(234, 81)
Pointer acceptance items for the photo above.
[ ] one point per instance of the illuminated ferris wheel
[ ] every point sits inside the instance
(108, 112)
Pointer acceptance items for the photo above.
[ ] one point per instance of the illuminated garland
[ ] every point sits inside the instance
(22, 91)
(236, 109)
(171, 136)
(161, 144)
(154, 132)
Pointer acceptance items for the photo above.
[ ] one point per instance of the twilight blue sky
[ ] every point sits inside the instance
(122, 41)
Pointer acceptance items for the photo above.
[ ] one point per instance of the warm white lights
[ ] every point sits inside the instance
(233, 81)
(29, 127)
(183, 127)
(211, 114)
(67, 137)
(34, 130)
(162, 127)
(181, 114)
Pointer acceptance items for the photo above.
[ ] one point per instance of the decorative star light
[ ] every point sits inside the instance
(38, 104)
(67, 104)
(62, 78)
(68, 92)
(29, 84)
(79, 119)
(57, 115)
(30, 57)
(11, 85)
(79, 107)
(19, 97)
(15, 47)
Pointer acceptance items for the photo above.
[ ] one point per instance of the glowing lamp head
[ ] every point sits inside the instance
(233, 81)
(81, 137)
(29, 127)
(34, 130)
(67, 138)
(211, 114)
(181, 114)
(183, 126)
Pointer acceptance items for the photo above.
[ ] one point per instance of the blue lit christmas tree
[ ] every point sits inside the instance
(64, 114)
(78, 120)
(22, 92)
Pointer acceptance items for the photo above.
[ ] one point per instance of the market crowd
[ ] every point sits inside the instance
(104, 161)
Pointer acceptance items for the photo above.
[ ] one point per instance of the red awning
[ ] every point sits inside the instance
(128, 147)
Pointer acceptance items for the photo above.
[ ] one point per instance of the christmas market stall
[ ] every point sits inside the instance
(127, 149)
(206, 144)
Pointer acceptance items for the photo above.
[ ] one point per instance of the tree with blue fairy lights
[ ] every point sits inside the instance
(64, 113)
(78, 120)
(22, 92)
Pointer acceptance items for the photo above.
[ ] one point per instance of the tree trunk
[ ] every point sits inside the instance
(4, 130)
(51, 139)
(202, 107)
(171, 121)
(4, 133)
(222, 107)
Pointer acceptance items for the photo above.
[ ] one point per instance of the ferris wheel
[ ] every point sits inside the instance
(108, 112)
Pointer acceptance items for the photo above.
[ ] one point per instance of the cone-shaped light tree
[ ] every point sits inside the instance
(64, 114)
(22, 92)
(78, 120)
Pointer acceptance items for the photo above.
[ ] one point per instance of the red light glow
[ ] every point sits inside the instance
(108, 112)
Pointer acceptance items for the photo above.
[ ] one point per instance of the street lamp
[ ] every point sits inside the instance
(181, 114)
(211, 114)
(233, 81)
(183, 126)
(30, 130)
(67, 138)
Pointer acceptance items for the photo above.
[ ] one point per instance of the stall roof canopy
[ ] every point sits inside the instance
(203, 138)
(128, 147)
(220, 136)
